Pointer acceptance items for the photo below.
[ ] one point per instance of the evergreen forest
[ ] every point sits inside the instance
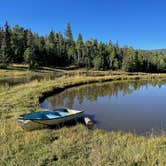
(56, 49)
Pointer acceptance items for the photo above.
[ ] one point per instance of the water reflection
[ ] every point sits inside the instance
(136, 106)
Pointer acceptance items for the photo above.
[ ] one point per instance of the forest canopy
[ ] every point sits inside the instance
(20, 45)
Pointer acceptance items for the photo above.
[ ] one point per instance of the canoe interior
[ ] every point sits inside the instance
(48, 115)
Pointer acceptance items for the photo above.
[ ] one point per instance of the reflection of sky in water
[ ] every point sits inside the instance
(131, 108)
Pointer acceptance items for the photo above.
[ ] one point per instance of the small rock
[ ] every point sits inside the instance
(88, 121)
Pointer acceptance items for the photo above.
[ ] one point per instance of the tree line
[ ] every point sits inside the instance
(20, 45)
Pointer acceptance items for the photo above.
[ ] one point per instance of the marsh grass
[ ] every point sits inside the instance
(69, 145)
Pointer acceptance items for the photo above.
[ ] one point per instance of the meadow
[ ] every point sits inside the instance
(69, 145)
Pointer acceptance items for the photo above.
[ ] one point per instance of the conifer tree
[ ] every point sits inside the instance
(68, 33)
(6, 44)
(4, 59)
(70, 44)
(79, 48)
(1, 36)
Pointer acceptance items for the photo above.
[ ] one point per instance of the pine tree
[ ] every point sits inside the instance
(51, 37)
(125, 59)
(68, 33)
(112, 57)
(6, 44)
(51, 48)
(161, 64)
(88, 58)
(17, 44)
(1, 35)
(103, 55)
(4, 59)
(70, 44)
(61, 50)
(97, 62)
(30, 58)
(27, 55)
(31, 53)
(79, 48)
(29, 39)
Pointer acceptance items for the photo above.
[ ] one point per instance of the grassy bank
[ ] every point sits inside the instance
(75, 145)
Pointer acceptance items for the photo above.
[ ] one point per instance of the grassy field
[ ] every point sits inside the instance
(69, 145)
(18, 70)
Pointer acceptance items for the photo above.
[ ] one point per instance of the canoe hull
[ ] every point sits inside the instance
(30, 125)
(36, 124)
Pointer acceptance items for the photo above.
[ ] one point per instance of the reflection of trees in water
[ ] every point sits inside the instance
(93, 91)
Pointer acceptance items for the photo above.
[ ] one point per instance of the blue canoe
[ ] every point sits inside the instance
(38, 119)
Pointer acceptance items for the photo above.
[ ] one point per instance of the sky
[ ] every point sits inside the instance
(137, 23)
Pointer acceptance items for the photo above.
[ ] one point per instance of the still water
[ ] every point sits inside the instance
(135, 106)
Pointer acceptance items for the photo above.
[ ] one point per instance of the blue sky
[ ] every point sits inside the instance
(137, 23)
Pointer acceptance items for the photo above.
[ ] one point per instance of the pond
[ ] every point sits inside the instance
(130, 106)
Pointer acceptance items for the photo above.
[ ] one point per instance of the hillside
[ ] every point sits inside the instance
(160, 51)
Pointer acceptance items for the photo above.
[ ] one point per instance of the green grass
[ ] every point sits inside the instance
(74, 145)
(21, 70)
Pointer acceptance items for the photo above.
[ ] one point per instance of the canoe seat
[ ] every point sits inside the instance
(52, 116)
(56, 114)
(62, 114)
